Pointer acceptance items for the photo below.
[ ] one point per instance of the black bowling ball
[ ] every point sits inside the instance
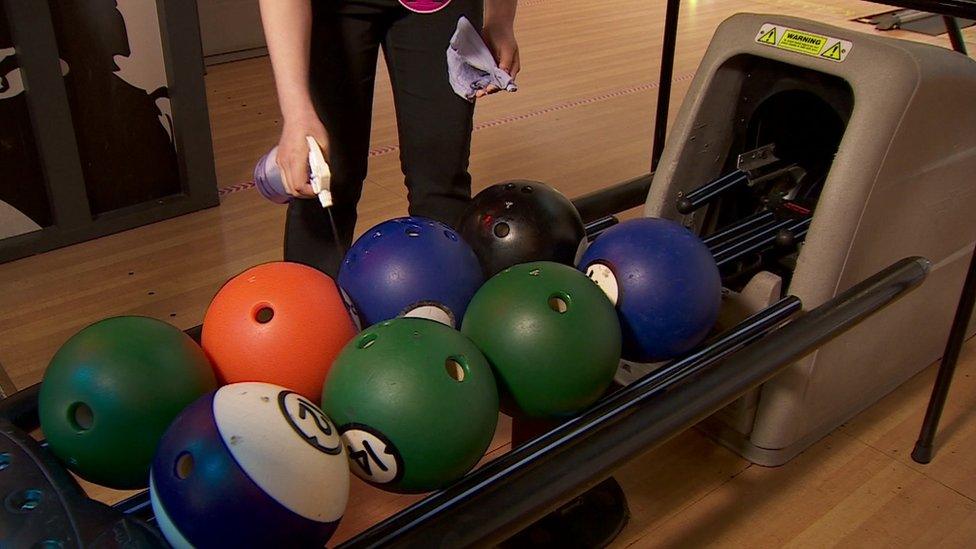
(520, 221)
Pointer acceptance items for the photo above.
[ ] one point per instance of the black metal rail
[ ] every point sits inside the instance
(711, 191)
(741, 227)
(709, 353)
(761, 239)
(614, 199)
(923, 451)
(532, 480)
(664, 87)
(594, 228)
(955, 34)
(955, 8)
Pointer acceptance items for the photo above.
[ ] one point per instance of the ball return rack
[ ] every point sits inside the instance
(43, 502)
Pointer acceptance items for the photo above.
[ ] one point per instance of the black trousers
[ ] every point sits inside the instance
(434, 124)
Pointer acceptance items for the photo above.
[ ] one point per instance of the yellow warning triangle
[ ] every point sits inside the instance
(769, 37)
(833, 52)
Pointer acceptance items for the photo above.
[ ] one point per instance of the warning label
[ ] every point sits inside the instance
(803, 42)
(833, 52)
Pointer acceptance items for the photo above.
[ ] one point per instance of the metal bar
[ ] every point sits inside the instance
(517, 488)
(955, 34)
(594, 228)
(710, 191)
(956, 8)
(664, 82)
(139, 506)
(801, 229)
(614, 199)
(708, 354)
(739, 228)
(924, 451)
(749, 330)
(737, 249)
(897, 19)
(744, 333)
(749, 238)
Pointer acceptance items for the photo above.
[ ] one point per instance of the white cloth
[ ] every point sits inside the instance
(471, 66)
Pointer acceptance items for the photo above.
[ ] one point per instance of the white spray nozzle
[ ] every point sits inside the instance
(321, 174)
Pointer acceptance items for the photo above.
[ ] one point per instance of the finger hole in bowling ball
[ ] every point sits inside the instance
(4, 461)
(413, 232)
(509, 186)
(24, 501)
(81, 417)
(527, 189)
(450, 235)
(366, 341)
(559, 302)
(454, 369)
(263, 314)
(502, 229)
(184, 465)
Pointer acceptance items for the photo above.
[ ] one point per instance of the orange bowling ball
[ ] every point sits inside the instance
(281, 323)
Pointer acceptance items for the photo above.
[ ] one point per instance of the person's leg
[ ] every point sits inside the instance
(434, 124)
(342, 70)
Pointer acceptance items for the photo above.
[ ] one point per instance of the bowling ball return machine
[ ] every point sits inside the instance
(844, 152)
(817, 229)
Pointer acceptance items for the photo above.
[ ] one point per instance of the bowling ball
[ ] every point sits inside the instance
(663, 281)
(412, 267)
(415, 402)
(250, 465)
(550, 334)
(110, 392)
(521, 221)
(281, 323)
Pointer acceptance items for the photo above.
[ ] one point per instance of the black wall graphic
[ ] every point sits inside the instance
(126, 153)
(22, 183)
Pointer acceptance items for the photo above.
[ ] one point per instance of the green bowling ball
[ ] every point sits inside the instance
(550, 334)
(415, 402)
(110, 392)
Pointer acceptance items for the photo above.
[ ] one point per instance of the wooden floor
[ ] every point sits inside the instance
(580, 121)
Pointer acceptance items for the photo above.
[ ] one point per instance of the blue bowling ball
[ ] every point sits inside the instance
(250, 465)
(410, 267)
(664, 282)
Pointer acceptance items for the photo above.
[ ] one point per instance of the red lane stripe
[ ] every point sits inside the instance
(622, 92)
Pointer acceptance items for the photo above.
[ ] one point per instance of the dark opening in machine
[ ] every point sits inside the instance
(787, 125)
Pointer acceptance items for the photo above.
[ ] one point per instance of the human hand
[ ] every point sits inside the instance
(292, 157)
(500, 39)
